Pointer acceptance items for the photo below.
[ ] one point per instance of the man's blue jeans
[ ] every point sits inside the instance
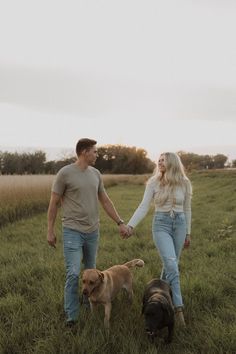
(169, 233)
(78, 247)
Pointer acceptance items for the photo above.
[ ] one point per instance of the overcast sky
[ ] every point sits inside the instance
(160, 75)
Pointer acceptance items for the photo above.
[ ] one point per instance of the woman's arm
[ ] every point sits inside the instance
(187, 206)
(143, 207)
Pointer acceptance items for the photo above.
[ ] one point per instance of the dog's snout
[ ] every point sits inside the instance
(151, 333)
(85, 292)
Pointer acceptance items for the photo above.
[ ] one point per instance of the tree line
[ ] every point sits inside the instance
(112, 159)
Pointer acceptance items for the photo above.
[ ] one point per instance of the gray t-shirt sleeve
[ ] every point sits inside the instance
(58, 185)
(101, 187)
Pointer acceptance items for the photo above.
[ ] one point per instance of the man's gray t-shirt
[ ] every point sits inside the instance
(79, 190)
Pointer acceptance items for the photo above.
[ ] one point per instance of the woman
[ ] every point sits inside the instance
(171, 191)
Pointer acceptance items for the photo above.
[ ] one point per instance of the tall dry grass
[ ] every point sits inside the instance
(23, 196)
(15, 188)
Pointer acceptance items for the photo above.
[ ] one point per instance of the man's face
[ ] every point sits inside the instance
(91, 155)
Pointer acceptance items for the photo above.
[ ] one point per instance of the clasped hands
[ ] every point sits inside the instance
(125, 231)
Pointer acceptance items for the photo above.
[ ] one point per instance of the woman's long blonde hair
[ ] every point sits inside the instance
(173, 177)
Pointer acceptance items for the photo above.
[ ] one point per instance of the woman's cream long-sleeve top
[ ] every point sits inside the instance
(180, 201)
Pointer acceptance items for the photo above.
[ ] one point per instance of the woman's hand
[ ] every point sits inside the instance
(130, 230)
(127, 233)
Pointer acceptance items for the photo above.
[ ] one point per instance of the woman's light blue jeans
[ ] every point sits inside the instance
(78, 247)
(169, 233)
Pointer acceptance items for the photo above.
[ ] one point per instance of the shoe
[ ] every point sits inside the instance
(179, 316)
(72, 325)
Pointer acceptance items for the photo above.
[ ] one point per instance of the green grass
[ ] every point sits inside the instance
(32, 280)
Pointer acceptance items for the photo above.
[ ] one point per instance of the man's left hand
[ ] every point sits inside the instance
(187, 241)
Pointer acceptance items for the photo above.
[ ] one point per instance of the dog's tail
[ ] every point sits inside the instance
(134, 263)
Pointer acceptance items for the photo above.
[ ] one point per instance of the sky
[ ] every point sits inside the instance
(158, 75)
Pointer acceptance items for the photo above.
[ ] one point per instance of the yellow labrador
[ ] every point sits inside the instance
(101, 287)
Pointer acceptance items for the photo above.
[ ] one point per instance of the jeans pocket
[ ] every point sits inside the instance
(159, 218)
(181, 220)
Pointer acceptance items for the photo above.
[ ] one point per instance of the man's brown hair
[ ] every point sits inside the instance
(84, 144)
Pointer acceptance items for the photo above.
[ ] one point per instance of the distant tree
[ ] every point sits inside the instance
(50, 167)
(32, 163)
(233, 163)
(118, 159)
(198, 162)
(9, 163)
(14, 163)
(220, 161)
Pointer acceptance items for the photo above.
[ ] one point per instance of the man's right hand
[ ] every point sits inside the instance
(52, 240)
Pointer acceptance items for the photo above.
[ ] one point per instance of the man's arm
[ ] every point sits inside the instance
(52, 214)
(110, 209)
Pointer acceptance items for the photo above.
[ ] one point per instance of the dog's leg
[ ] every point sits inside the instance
(129, 288)
(93, 307)
(170, 333)
(107, 315)
(131, 295)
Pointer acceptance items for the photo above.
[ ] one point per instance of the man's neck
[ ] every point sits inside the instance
(83, 165)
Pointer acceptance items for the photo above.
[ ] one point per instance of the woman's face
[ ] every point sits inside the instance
(161, 164)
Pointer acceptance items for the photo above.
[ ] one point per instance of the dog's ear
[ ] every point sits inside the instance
(168, 310)
(165, 306)
(101, 276)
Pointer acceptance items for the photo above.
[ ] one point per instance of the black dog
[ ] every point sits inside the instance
(158, 308)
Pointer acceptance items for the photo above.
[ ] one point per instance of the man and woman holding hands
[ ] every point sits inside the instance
(78, 188)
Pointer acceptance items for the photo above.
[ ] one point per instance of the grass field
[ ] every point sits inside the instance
(32, 280)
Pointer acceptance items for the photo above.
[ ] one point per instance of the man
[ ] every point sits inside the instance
(77, 188)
